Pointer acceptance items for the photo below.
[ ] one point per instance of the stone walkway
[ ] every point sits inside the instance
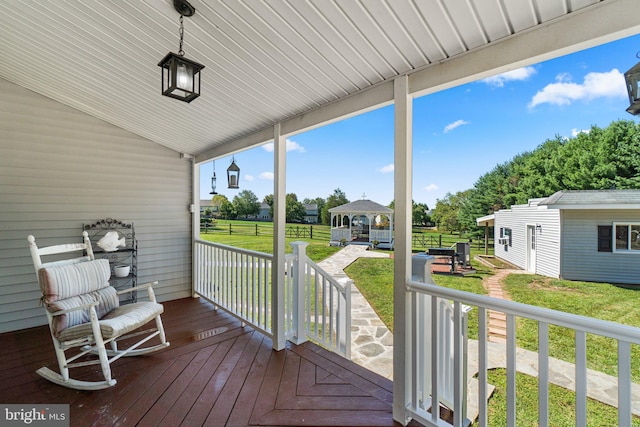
(497, 320)
(372, 342)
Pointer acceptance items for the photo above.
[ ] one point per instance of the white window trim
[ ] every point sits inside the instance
(613, 237)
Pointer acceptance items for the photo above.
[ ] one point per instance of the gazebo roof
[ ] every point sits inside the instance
(361, 206)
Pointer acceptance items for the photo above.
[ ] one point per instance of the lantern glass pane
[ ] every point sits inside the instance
(184, 77)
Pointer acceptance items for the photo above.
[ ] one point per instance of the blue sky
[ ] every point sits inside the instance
(459, 134)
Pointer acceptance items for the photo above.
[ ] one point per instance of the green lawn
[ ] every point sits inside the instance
(561, 404)
(316, 251)
(374, 279)
(599, 300)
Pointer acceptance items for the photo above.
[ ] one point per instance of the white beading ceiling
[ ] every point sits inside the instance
(266, 60)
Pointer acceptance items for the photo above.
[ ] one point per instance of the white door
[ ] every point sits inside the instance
(531, 248)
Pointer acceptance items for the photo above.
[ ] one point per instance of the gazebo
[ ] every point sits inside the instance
(362, 221)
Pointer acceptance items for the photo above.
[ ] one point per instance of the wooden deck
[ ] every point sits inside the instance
(214, 373)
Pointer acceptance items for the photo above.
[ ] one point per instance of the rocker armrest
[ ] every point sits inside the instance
(147, 286)
(80, 307)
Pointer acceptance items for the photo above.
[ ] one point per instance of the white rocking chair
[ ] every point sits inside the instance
(84, 311)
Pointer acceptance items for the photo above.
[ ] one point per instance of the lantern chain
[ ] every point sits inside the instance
(180, 51)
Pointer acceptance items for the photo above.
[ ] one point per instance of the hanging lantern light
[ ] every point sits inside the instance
(181, 76)
(632, 78)
(213, 179)
(233, 174)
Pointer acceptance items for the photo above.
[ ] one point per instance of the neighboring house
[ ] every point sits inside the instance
(206, 204)
(265, 212)
(310, 216)
(590, 235)
(311, 213)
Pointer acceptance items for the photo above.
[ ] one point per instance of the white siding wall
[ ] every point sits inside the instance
(60, 168)
(548, 238)
(580, 257)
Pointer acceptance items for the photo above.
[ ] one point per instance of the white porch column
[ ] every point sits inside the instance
(279, 224)
(402, 255)
(195, 221)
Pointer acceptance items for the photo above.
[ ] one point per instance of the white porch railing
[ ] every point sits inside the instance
(434, 317)
(239, 281)
(418, 408)
(337, 234)
(325, 308)
(236, 280)
(381, 235)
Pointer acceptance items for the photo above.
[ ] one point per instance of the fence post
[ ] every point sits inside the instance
(311, 231)
(229, 229)
(440, 240)
(298, 291)
(256, 229)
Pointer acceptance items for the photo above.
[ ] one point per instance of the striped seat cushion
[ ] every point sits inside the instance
(69, 286)
(119, 321)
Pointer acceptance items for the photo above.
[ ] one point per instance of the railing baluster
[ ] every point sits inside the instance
(482, 367)
(413, 345)
(624, 383)
(581, 378)
(435, 358)
(347, 326)
(543, 374)
(458, 412)
(315, 309)
(511, 370)
(259, 286)
(320, 308)
(331, 323)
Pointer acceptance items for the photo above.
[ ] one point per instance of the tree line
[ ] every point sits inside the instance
(246, 205)
(597, 159)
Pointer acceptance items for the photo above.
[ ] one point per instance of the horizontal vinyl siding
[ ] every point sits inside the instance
(60, 169)
(548, 248)
(548, 242)
(580, 257)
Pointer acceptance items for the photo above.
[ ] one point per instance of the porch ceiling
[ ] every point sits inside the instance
(269, 61)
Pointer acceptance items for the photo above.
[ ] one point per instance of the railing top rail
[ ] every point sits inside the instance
(581, 323)
(235, 249)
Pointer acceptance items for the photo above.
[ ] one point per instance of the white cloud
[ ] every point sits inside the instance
(564, 77)
(249, 178)
(291, 146)
(452, 126)
(514, 75)
(387, 169)
(267, 176)
(431, 187)
(595, 85)
(575, 132)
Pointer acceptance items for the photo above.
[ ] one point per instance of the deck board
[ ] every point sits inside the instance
(215, 372)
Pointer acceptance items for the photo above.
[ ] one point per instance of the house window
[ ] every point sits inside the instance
(505, 237)
(627, 237)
